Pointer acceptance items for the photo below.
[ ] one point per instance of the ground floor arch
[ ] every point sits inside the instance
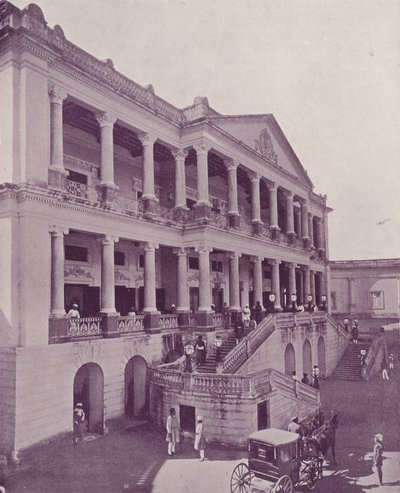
(290, 360)
(89, 390)
(307, 359)
(321, 357)
(136, 387)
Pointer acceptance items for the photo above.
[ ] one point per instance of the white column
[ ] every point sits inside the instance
(306, 278)
(273, 205)
(255, 199)
(304, 221)
(183, 290)
(275, 281)
(106, 122)
(148, 141)
(57, 96)
(312, 286)
(180, 178)
(257, 281)
(150, 278)
(204, 279)
(234, 293)
(319, 233)
(289, 213)
(292, 279)
(107, 275)
(311, 229)
(57, 272)
(233, 206)
(202, 173)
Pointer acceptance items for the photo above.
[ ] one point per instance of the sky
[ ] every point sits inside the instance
(329, 71)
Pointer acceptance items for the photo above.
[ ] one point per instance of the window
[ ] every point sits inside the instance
(119, 258)
(333, 300)
(77, 177)
(376, 300)
(193, 263)
(76, 253)
(141, 261)
(217, 266)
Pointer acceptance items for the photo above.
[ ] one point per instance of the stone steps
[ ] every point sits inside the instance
(210, 365)
(349, 367)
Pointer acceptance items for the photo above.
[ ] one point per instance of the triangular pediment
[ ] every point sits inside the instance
(263, 134)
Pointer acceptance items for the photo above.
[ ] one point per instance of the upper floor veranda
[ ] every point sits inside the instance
(81, 132)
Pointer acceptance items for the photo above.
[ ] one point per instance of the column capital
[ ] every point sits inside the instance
(274, 261)
(292, 265)
(180, 251)
(231, 164)
(56, 230)
(179, 154)
(255, 258)
(105, 119)
(108, 239)
(203, 249)
(234, 255)
(201, 148)
(147, 139)
(303, 201)
(57, 94)
(318, 219)
(254, 177)
(148, 247)
(288, 194)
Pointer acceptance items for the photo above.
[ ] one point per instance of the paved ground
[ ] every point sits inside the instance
(135, 459)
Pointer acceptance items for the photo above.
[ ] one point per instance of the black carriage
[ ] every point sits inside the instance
(277, 462)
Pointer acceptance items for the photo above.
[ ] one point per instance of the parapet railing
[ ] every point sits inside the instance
(84, 327)
(374, 357)
(128, 324)
(169, 321)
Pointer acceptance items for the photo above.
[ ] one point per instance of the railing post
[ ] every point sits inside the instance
(58, 330)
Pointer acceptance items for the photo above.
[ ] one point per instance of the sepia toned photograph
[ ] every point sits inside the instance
(199, 246)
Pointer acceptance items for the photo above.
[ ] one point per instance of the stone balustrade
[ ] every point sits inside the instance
(84, 327)
(168, 321)
(129, 324)
(218, 320)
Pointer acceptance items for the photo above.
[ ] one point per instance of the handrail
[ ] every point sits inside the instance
(339, 329)
(248, 345)
(84, 326)
(372, 364)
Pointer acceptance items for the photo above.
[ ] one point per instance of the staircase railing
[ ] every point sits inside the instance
(339, 329)
(373, 360)
(248, 345)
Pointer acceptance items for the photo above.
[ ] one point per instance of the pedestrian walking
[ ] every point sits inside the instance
(246, 317)
(200, 438)
(354, 333)
(225, 315)
(305, 379)
(378, 456)
(201, 350)
(258, 312)
(391, 361)
(79, 418)
(385, 374)
(173, 431)
(315, 376)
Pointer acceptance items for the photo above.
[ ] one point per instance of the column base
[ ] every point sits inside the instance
(202, 210)
(291, 236)
(58, 330)
(107, 193)
(150, 204)
(306, 242)
(152, 323)
(109, 325)
(180, 213)
(275, 230)
(183, 320)
(257, 227)
(57, 178)
(234, 220)
(205, 321)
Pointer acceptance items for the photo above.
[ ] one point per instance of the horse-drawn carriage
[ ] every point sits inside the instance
(277, 461)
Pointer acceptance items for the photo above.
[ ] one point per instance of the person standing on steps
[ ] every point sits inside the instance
(258, 312)
(225, 315)
(200, 438)
(246, 317)
(201, 350)
(378, 456)
(315, 376)
(172, 431)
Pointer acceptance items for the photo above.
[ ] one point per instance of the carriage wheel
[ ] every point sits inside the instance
(312, 476)
(241, 479)
(284, 485)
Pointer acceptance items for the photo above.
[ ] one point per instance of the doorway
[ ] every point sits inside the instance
(136, 387)
(124, 299)
(194, 299)
(290, 360)
(262, 415)
(218, 299)
(307, 363)
(89, 390)
(86, 297)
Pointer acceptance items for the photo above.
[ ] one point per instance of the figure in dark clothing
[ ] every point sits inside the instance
(258, 312)
(79, 418)
(225, 315)
(201, 351)
(238, 332)
(378, 456)
(315, 376)
(305, 379)
(354, 334)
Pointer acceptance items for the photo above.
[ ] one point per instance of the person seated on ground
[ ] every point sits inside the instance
(294, 426)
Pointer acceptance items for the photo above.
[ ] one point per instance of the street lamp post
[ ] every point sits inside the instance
(293, 299)
(272, 298)
(309, 303)
(323, 302)
(189, 350)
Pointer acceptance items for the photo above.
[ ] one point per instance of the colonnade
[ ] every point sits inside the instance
(303, 221)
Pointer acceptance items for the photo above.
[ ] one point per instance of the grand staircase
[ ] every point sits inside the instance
(349, 367)
(210, 364)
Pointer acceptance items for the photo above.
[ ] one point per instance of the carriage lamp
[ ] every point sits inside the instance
(323, 301)
(309, 303)
(293, 299)
(346, 324)
(217, 345)
(189, 350)
(272, 299)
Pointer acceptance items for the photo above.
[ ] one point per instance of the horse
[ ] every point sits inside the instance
(324, 438)
(308, 425)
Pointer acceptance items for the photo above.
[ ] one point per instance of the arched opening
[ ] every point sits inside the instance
(89, 390)
(136, 387)
(307, 362)
(321, 357)
(290, 360)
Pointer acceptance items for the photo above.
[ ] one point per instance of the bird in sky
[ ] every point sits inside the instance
(379, 223)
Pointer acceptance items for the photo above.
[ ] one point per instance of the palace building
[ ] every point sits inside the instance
(115, 200)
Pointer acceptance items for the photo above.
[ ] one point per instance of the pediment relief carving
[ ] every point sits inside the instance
(263, 145)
